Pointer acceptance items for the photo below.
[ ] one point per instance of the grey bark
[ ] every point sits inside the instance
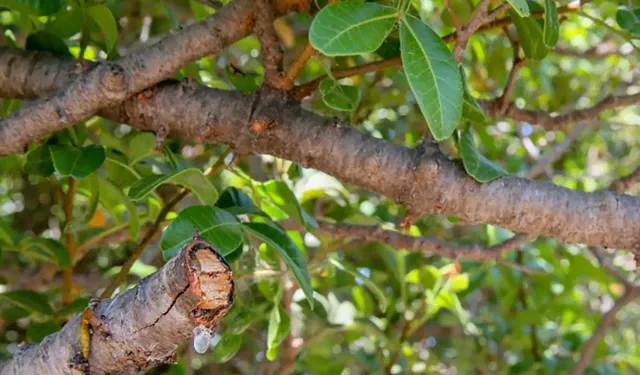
(144, 326)
(424, 182)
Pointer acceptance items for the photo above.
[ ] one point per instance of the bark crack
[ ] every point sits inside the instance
(175, 299)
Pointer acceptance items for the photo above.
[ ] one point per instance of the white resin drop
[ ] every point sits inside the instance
(201, 339)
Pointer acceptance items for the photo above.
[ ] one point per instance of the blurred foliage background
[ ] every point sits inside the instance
(377, 309)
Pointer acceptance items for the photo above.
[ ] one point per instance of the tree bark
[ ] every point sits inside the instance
(269, 122)
(144, 326)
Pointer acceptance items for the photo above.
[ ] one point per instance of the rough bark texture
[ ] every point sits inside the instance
(107, 84)
(144, 326)
(269, 122)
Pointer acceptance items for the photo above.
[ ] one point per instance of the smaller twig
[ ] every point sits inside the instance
(600, 254)
(67, 296)
(627, 182)
(607, 320)
(272, 55)
(374, 233)
(463, 34)
(556, 152)
(454, 19)
(300, 92)
(287, 80)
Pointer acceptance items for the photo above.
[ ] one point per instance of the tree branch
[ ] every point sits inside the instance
(423, 182)
(463, 34)
(142, 327)
(606, 321)
(374, 233)
(556, 152)
(107, 84)
(269, 44)
(559, 122)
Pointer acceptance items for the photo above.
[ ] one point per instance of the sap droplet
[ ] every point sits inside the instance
(201, 339)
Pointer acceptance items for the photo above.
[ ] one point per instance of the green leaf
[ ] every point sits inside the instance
(629, 20)
(551, 31)
(216, 226)
(433, 76)
(339, 97)
(246, 82)
(476, 165)
(49, 250)
(76, 306)
(119, 169)
(234, 197)
(141, 146)
(471, 110)
(520, 6)
(102, 15)
(530, 36)
(46, 41)
(94, 189)
(77, 162)
(34, 7)
(109, 189)
(29, 300)
(279, 327)
(38, 162)
(280, 194)
(38, 331)
(279, 240)
(191, 178)
(382, 300)
(227, 347)
(351, 28)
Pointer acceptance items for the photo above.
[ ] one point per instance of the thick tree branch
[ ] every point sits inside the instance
(107, 84)
(423, 182)
(142, 327)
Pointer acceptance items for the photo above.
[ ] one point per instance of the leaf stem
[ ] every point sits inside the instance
(70, 244)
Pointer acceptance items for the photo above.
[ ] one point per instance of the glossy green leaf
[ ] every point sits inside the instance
(46, 41)
(215, 225)
(520, 6)
(433, 76)
(49, 250)
(38, 331)
(280, 194)
(77, 162)
(77, 305)
(476, 164)
(629, 19)
(112, 192)
(551, 31)
(471, 110)
(38, 162)
(191, 178)
(278, 330)
(227, 347)
(29, 300)
(66, 22)
(380, 296)
(351, 28)
(102, 15)
(236, 199)
(531, 36)
(292, 256)
(339, 97)
(34, 7)
(141, 146)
